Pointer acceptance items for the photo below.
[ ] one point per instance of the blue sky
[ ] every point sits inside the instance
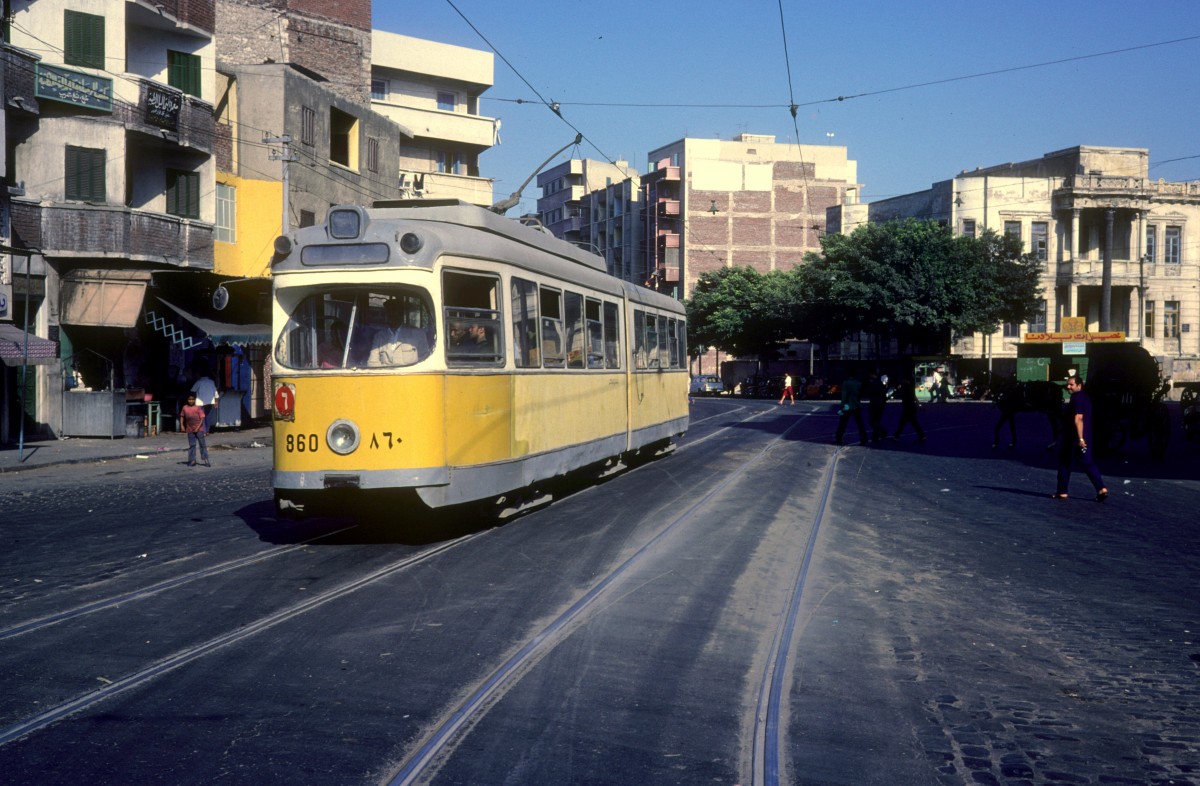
(726, 61)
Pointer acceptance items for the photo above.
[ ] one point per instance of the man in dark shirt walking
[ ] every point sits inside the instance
(1075, 441)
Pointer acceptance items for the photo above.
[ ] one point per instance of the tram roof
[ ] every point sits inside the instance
(456, 213)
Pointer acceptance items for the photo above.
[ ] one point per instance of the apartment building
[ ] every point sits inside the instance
(109, 136)
(560, 207)
(431, 91)
(1081, 210)
(712, 203)
(611, 225)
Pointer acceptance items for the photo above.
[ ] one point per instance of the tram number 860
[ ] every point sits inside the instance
(301, 443)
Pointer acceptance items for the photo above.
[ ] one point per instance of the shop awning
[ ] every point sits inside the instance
(12, 347)
(103, 298)
(232, 333)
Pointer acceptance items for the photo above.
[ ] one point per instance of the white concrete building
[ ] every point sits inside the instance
(432, 91)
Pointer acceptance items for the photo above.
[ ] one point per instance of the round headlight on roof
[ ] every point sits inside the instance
(410, 243)
(343, 437)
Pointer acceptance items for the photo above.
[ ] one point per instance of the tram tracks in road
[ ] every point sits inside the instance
(162, 586)
(195, 652)
(459, 719)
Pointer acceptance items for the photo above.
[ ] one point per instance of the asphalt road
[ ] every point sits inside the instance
(762, 606)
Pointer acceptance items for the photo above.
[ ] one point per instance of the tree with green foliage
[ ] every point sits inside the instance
(740, 311)
(915, 281)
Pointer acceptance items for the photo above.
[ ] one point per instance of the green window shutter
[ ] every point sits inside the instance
(183, 72)
(83, 39)
(84, 173)
(183, 193)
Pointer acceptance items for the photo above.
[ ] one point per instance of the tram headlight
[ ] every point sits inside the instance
(342, 437)
(410, 243)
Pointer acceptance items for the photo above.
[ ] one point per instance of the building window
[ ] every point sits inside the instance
(446, 101)
(1171, 245)
(1171, 319)
(1012, 229)
(449, 163)
(1037, 323)
(379, 89)
(1148, 319)
(968, 227)
(83, 39)
(85, 174)
(343, 138)
(307, 218)
(372, 154)
(225, 229)
(183, 193)
(183, 72)
(1151, 243)
(1012, 330)
(1039, 239)
(308, 125)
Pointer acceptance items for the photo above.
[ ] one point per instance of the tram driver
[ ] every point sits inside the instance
(397, 344)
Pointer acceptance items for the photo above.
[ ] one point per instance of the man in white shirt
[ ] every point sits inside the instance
(397, 344)
(206, 398)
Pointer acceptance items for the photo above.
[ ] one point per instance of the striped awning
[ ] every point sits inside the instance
(14, 343)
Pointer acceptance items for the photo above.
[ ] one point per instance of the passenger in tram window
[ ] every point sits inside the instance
(397, 344)
(332, 350)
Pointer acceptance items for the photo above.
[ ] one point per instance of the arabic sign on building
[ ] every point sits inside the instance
(73, 87)
(1079, 335)
(162, 106)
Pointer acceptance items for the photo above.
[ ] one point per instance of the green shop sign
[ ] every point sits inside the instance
(74, 87)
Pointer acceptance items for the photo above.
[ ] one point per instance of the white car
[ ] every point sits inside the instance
(707, 386)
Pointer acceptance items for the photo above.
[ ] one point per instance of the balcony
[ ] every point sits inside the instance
(667, 273)
(1125, 272)
(1109, 190)
(19, 89)
(667, 173)
(162, 112)
(443, 185)
(668, 207)
(668, 240)
(176, 14)
(472, 130)
(106, 232)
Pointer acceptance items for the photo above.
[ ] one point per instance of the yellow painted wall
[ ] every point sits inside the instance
(259, 219)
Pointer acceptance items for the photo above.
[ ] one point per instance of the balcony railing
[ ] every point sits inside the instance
(1124, 271)
(668, 240)
(59, 229)
(1126, 186)
(668, 207)
(161, 111)
(472, 130)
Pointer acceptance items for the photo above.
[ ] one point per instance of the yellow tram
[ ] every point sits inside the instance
(440, 348)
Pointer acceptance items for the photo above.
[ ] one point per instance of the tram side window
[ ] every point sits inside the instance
(683, 345)
(357, 327)
(612, 336)
(652, 342)
(525, 324)
(576, 335)
(552, 328)
(473, 320)
(640, 356)
(595, 334)
(664, 357)
(673, 342)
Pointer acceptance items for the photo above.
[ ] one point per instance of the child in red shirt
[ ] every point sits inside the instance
(191, 417)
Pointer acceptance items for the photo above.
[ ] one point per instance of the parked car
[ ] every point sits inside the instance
(707, 386)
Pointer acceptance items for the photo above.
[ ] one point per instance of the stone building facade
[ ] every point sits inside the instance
(1080, 209)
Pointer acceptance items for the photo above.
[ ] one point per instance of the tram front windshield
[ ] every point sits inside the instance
(361, 327)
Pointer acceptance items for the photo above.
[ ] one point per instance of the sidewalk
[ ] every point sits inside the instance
(77, 450)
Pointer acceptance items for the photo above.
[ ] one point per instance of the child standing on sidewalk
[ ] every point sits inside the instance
(192, 418)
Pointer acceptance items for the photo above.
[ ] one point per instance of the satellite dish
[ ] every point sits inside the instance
(220, 298)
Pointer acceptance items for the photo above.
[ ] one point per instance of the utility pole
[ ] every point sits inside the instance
(285, 155)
